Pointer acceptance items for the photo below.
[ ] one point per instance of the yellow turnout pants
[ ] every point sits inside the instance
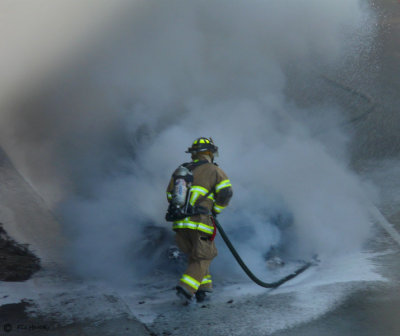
(200, 251)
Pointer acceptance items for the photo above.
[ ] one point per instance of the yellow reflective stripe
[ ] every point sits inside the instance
(188, 224)
(187, 279)
(222, 185)
(193, 198)
(218, 208)
(182, 225)
(205, 228)
(196, 192)
(200, 189)
(206, 280)
(211, 197)
(169, 196)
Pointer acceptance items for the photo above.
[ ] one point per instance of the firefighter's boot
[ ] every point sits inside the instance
(202, 295)
(184, 295)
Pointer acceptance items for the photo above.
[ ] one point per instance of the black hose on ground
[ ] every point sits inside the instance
(247, 270)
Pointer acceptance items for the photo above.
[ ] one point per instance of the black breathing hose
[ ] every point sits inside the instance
(247, 270)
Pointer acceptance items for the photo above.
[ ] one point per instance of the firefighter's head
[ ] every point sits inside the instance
(203, 146)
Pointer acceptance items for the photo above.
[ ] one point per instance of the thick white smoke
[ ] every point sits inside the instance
(104, 135)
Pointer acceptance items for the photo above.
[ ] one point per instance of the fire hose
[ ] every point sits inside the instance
(247, 270)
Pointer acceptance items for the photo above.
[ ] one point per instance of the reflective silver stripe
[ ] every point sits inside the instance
(218, 208)
(206, 280)
(188, 224)
(193, 198)
(187, 279)
(222, 185)
(196, 192)
(205, 228)
(183, 225)
(200, 189)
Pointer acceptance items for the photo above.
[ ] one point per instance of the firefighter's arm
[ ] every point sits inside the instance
(223, 192)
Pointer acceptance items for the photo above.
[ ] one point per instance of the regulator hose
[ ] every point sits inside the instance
(247, 270)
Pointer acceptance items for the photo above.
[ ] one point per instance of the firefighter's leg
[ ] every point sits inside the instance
(206, 283)
(203, 251)
(194, 274)
(183, 240)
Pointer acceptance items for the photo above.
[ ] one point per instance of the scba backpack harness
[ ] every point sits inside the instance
(180, 207)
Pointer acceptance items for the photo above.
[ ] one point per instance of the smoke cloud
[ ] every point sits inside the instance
(99, 136)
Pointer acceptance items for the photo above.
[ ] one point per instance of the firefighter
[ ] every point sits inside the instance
(208, 192)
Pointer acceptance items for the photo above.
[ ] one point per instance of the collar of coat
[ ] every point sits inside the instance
(202, 157)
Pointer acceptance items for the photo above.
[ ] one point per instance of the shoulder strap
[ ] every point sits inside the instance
(192, 165)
